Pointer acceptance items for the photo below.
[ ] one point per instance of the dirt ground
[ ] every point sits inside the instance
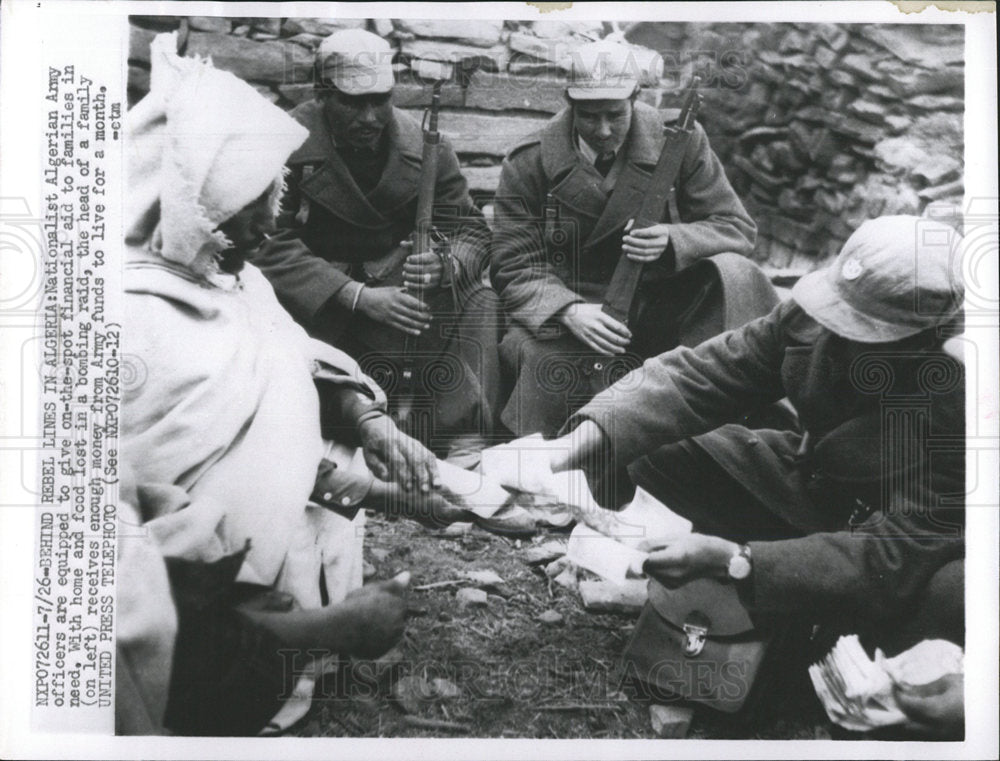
(509, 674)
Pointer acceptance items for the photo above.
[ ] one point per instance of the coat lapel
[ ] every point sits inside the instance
(643, 147)
(330, 183)
(400, 181)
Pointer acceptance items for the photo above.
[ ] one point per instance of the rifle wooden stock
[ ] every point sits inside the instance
(625, 280)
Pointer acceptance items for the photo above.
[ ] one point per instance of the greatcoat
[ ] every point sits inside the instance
(331, 234)
(558, 236)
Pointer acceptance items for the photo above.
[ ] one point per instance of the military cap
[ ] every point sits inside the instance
(356, 62)
(608, 70)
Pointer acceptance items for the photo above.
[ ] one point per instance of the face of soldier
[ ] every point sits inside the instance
(357, 120)
(603, 124)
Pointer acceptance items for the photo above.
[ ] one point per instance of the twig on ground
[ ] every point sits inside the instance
(422, 723)
(437, 584)
(582, 707)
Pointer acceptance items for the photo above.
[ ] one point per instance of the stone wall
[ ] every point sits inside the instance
(819, 126)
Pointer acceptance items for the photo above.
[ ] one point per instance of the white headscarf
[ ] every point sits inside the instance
(200, 146)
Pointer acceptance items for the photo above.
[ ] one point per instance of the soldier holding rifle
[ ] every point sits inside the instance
(420, 322)
(608, 227)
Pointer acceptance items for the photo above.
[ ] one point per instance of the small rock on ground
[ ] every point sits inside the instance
(550, 617)
(468, 596)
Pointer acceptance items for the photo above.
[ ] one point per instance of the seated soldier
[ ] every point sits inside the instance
(567, 197)
(858, 522)
(350, 206)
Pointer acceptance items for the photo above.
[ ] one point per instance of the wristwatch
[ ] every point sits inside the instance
(740, 564)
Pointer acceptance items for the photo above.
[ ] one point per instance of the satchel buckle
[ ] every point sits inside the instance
(694, 639)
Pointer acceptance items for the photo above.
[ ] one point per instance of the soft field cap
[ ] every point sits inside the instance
(356, 62)
(895, 277)
(605, 70)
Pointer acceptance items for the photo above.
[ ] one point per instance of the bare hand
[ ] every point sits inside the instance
(575, 447)
(597, 330)
(423, 270)
(938, 709)
(379, 609)
(691, 556)
(394, 456)
(647, 244)
(393, 306)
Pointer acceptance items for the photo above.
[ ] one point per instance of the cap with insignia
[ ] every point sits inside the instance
(607, 70)
(356, 62)
(895, 277)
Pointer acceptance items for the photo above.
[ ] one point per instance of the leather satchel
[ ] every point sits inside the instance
(696, 643)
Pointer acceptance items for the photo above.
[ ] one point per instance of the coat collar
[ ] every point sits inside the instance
(579, 186)
(642, 146)
(331, 184)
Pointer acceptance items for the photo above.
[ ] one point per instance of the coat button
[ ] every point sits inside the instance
(328, 496)
(345, 501)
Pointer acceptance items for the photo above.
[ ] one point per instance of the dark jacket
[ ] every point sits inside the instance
(329, 228)
(537, 275)
(885, 428)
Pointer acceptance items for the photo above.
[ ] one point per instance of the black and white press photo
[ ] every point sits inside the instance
(510, 373)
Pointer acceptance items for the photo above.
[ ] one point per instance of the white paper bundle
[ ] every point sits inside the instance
(602, 555)
(477, 493)
(857, 692)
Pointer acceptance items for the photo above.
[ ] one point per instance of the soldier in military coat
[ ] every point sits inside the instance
(857, 522)
(350, 204)
(565, 198)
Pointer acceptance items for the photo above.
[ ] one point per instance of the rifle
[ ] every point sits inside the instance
(621, 291)
(422, 237)
(618, 300)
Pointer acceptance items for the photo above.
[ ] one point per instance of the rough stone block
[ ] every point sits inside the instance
(309, 41)
(322, 27)
(482, 179)
(868, 111)
(937, 169)
(268, 25)
(409, 94)
(210, 24)
(139, 40)
(503, 92)
(553, 30)
(483, 33)
(555, 51)
(272, 62)
(616, 598)
(491, 59)
(860, 66)
(486, 135)
(432, 70)
(524, 65)
(670, 721)
(296, 94)
(467, 597)
(937, 103)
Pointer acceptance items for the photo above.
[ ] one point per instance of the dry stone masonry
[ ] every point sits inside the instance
(819, 126)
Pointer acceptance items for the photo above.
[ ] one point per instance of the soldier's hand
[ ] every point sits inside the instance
(423, 270)
(690, 556)
(647, 244)
(599, 331)
(394, 456)
(393, 306)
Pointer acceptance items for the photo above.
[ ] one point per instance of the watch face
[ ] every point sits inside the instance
(739, 567)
